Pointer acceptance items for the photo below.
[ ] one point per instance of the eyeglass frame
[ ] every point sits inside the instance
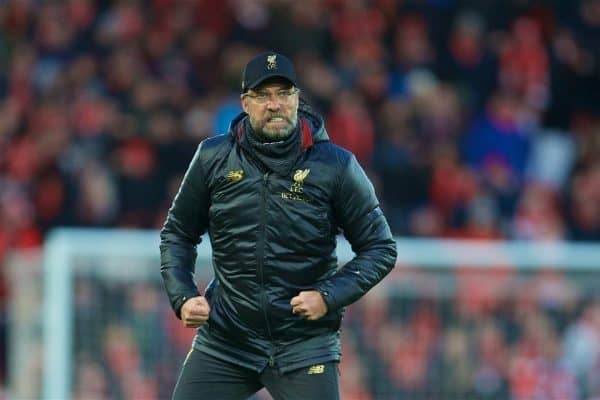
(283, 96)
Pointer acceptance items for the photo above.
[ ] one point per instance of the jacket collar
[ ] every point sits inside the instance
(311, 124)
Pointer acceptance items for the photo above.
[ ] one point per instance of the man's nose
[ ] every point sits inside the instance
(273, 104)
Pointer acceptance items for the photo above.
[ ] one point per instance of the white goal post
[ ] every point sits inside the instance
(64, 246)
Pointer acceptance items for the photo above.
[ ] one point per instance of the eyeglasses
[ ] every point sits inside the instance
(282, 96)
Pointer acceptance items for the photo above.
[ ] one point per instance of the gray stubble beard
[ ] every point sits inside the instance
(275, 135)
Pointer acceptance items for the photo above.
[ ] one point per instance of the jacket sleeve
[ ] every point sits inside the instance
(357, 212)
(187, 221)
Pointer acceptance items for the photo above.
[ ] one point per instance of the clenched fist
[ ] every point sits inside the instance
(309, 305)
(194, 312)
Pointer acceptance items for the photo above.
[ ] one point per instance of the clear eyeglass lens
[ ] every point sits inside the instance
(282, 96)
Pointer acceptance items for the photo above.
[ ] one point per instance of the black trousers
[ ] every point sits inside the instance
(204, 377)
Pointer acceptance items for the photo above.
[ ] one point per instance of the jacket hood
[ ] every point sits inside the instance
(312, 125)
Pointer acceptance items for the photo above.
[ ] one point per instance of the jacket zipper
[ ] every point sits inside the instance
(261, 251)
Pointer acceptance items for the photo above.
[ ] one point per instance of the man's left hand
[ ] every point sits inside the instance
(309, 305)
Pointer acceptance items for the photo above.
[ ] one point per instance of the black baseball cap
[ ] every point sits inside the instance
(267, 65)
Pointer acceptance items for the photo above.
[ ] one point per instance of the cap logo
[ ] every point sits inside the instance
(272, 61)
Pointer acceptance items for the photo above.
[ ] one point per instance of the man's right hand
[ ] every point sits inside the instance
(194, 312)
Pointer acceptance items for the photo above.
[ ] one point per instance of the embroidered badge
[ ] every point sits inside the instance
(316, 369)
(272, 62)
(235, 175)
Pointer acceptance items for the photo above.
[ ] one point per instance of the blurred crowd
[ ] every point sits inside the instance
(474, 119)
(423, 335)
(491, 334)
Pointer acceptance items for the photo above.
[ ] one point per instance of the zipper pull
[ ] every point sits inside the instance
(271, 361)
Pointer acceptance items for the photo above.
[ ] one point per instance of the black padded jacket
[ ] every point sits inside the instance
(273, 236)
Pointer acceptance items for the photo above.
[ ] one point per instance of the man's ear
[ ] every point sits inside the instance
(243, 102)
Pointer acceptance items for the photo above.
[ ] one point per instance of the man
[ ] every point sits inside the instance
(272, 194)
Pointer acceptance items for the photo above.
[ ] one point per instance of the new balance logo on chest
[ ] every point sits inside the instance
(235, 175)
